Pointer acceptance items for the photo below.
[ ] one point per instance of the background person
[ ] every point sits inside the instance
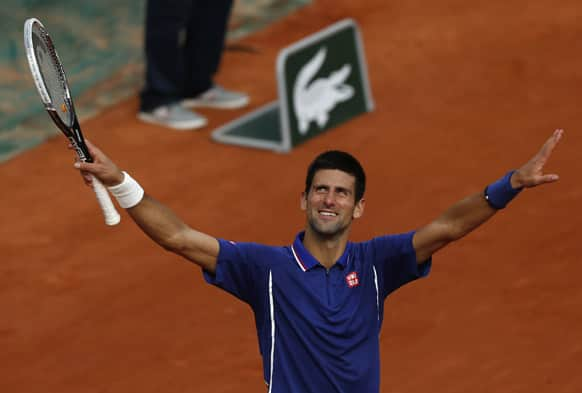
(184, 42)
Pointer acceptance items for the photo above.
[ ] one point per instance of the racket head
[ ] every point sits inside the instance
(51, 82)
(48, 73)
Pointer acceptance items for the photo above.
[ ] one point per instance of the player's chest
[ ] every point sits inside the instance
(338, 295)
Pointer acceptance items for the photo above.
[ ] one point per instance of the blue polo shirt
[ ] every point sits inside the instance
(318, 329)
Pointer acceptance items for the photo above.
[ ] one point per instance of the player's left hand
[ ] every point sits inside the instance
(531, 174)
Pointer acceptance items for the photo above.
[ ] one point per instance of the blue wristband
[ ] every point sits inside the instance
(500, 193)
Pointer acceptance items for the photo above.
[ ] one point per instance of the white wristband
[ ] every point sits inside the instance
(128, 193)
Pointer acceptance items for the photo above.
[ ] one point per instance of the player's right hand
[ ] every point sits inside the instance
(102, 167)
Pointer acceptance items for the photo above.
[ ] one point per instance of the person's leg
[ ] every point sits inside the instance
(164, 53)
(160, 100)
(205, 37)
(204, 47)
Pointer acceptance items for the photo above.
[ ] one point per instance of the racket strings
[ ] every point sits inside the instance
(52, 73)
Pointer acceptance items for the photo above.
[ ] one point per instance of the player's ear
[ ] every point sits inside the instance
(359, 208)
(303, 201)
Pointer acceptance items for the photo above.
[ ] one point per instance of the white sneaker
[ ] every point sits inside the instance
(173, 116)
(218, 97)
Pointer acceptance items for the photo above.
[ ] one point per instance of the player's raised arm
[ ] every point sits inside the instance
(155, 219)
(472, 211)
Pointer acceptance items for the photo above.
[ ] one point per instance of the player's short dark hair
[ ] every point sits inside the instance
(340, 160)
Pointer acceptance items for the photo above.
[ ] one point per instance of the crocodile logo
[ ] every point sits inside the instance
(314, 100)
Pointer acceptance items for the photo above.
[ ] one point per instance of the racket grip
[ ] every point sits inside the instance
(111, 215)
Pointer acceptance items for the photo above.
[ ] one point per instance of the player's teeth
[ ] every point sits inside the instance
(327, 214)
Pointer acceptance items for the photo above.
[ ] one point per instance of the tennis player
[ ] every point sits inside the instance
(319, 302)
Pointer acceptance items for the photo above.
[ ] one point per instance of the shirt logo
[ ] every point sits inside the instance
(352, 280)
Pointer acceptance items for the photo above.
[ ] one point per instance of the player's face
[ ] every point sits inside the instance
(330, 204)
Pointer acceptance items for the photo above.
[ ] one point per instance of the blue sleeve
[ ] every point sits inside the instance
(395, 261)
(238, 271)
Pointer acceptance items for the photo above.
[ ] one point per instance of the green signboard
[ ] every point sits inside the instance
(322, 82)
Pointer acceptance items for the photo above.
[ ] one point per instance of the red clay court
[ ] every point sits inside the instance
(464, 91)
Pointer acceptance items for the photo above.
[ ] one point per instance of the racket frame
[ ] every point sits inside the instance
(72, 132)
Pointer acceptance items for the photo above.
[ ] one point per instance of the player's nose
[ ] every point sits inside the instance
(329, 199)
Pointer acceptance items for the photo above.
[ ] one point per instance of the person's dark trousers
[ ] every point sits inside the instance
(184, 40)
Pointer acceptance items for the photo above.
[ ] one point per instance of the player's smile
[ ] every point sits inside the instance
(325, 214)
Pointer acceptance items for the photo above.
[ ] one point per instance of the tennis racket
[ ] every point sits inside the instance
(50, 80)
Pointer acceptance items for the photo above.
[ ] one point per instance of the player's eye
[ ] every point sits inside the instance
(343, 192)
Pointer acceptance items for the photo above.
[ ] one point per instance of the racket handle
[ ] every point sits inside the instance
(111, 215)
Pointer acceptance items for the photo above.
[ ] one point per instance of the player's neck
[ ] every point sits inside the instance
(326, 249)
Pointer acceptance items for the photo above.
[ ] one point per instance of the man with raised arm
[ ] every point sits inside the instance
(319, 302)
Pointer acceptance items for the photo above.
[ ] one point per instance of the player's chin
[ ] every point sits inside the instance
(327, 229)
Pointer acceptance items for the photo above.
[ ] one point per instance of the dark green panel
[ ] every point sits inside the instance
(341, 49)
(264, 127)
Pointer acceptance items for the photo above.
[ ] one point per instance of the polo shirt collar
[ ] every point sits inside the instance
(306, 261)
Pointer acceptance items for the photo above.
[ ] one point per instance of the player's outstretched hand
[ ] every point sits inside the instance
(102, 167)
(531, 174)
